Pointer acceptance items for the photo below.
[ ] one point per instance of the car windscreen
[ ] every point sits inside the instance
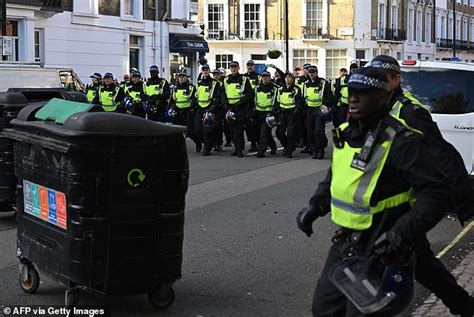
(445, 91)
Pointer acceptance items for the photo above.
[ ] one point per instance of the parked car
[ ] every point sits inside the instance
(448, 89)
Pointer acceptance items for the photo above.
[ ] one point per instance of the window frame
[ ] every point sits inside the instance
(223, 63)
(301, 60)
(262, 21)
(225, 22)
(329, 70)
(137, 10)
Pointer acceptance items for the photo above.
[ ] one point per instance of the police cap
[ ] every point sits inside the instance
(96, 75)
(108, 75)
(368, 78)
(385, 62)
(234, 63)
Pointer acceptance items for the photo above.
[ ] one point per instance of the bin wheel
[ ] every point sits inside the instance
(31, 285)
(70, 298)
(161, 297)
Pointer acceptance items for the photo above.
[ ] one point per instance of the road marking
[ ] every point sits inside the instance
(456, 240)
(253, 153)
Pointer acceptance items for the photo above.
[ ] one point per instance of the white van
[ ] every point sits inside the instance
(31, 75)
(448, 89)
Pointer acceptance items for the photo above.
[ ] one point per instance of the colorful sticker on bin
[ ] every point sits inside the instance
(45, 203)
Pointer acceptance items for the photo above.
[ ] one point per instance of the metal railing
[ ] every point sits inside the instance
(312, 32)
(460, 44)
(396, 35)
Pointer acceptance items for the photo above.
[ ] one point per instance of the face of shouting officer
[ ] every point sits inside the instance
(182, 78)
(109, 80)
(135, 78)
(251, 68)
(266, 79)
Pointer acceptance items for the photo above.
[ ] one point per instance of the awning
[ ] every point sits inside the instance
(187, 43)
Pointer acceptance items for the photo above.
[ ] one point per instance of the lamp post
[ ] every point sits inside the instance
(454, 28)
(3, 15)
(287, 35)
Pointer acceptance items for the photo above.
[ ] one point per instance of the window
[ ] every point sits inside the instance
(419, 25)
(252, 29)
(428, 28)
(443, 27)
(12, 33)
(458, 29)
(215, 21)
(39, 45)
(314, 14)
(411, 18)
(375, 52)
(464, 30)
(136, 48)
(223, 60)
(381, 16)
(86, 6)
(472, 30)
(450, 28)
(394, 16)
(193, 10)
(386, 52)
(301, 57)
(128, 7)
(131, 9)
(335, 60)
(360, 54)
(399, 55)
(258, 57)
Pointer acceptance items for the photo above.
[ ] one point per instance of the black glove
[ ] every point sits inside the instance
(306, 217)
(387, 243)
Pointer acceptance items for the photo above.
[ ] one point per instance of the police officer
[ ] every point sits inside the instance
(157, 93)
(239, 94)
(265, 100)
(378, 163)
(405, 106)
(289, 101)
(318, 96)
(302, 76)
(341, 94)
(135, 91)
(251, 126)
(91, 90)
(110, 95)
(219, 76)
(182, 103)
(210, 99)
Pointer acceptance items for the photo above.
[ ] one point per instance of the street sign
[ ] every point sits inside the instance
(7, 45)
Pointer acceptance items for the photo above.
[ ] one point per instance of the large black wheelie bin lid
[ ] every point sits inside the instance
(73, 119)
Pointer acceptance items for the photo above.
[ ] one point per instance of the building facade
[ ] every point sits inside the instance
(328, 33)
(105, 35)
(455, 36)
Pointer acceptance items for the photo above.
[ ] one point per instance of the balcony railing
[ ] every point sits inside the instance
(396, 35)
(460, 45)
(220, 35)
(312, 32)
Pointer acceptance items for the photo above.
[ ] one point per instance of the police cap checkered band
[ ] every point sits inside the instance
(385, 65)
(368, 78)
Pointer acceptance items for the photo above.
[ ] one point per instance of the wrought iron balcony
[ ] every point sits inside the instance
(460, 45)
(396, 35)
(312, 32)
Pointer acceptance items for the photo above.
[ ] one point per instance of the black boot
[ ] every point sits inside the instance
(273, 151)
(260, 154)
(240, 154)
(198, 147)
(284, 152)
(253, 147)
(234, 153)
(228, 144)
(320, 154)
(206, 153)
(289, 155)
(305, 150)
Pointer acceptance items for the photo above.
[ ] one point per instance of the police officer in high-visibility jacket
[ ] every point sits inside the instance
(110, 95)
(210, 99)
(302, 76)
(239, 95)
(379, 165)
(157, 93)
(91, 90)
(182, 103)
(251, 126)
(265, 100)
(219, 75)
(405, 106)
(289, 104)
(341, 94)
(136, 92)
(318, 98)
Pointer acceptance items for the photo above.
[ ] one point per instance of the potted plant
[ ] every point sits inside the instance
(274, 53)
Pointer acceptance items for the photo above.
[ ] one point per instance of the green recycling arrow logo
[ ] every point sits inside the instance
(136, 181)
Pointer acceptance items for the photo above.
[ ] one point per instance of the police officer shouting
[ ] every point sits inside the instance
(318, 96)
(110, 95)
(239, 94)
(405, 106)
(157, 94)
(182, 103)
(265, 100)
(378, 162)
(290, 101)
(210, 99)
(91, 90)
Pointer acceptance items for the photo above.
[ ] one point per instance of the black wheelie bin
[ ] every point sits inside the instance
(100, 202)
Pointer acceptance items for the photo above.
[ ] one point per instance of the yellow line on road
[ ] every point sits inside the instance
(458, 237)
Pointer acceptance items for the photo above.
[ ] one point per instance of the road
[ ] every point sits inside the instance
(243, 255)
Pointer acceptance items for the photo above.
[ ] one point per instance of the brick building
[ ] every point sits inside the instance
(105, 35)
(329, 33)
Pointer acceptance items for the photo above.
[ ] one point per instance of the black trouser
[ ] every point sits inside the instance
(237, 129)
(429, 271)
(251, 127)
(316, 129)
(204, 134)
(220, 118)
(266, 137)
(227, 131)
(286, 131)
(340, 114)
(185, 117)
(300, 126)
